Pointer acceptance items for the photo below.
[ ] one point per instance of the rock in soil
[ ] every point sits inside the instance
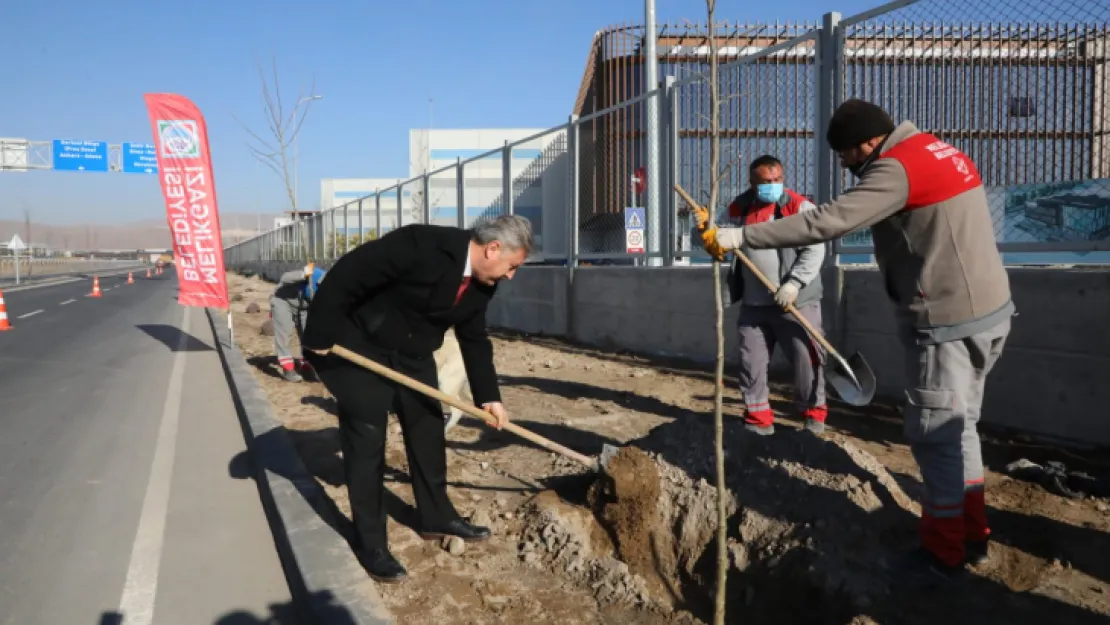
(481, 518)
(453, 545)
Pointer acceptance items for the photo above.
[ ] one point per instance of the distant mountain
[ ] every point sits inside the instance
(135, 235)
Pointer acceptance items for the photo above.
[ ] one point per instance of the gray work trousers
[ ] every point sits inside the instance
(944, 402)
(759, 328)
(289, 317)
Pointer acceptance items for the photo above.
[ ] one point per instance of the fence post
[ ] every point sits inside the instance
(346, 228)
(460, 192)
(361, 229)
(331, 226)
(507, 178)
(426, 189)
(377, 213)
(572, 214)
(572, 220)
(827, 94)
(400, 205)
(669, 170)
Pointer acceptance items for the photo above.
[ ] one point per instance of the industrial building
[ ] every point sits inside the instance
(441, 150)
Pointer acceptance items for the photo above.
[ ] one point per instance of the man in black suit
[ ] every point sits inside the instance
(391, 300)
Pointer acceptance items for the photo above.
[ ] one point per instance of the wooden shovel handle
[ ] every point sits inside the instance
(817, 336)
(473, 411)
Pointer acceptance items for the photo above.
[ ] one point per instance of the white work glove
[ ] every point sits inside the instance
(787, 293)
(730, 238)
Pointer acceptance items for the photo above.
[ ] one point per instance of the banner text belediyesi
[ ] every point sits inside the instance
(188, 190)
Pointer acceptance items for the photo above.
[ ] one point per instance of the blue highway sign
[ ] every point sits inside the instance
(139, 158)
(72, 155)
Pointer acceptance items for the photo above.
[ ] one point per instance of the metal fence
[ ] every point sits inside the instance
(1020, 86)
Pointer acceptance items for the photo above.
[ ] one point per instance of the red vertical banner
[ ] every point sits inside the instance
(185, 171)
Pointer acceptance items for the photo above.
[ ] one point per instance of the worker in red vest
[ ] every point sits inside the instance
(762, 322)
(935, 246)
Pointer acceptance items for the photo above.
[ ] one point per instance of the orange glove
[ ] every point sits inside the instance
(710, 244)
(701, 217)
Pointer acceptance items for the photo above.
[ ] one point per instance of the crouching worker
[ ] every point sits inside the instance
(763, 320)
(289, 312)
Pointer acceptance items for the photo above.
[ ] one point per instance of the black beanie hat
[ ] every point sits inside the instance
(855, 122)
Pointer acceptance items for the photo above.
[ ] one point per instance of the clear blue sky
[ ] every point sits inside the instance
(77, 70)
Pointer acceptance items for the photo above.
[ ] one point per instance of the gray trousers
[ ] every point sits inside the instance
(944, 402)
(289, 318)
(759, 329)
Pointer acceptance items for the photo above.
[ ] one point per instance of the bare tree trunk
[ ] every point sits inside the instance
(719, 373)
(278, 151)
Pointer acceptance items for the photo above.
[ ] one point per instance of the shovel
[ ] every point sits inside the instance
(595, 464)
(852, 379)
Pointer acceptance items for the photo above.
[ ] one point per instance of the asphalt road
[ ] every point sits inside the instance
(117, 501)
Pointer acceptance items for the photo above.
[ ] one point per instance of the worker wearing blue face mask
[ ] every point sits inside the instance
(763, 321)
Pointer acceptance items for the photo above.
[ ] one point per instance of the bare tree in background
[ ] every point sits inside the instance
(275, 148)
(284, 118)
(422, 164)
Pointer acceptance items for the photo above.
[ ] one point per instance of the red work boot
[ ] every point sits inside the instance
(760, 422)
(976, 531)
(814, 419)
(944, 536)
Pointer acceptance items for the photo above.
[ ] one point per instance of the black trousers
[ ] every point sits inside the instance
(364, 400)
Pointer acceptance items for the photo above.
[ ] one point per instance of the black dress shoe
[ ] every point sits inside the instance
(382, 566)
(466, 531)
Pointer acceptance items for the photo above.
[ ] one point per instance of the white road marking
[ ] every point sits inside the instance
(30, 314)
(68, 301)
(141, 585)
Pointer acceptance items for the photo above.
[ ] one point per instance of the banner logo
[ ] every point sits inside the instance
(179, 138)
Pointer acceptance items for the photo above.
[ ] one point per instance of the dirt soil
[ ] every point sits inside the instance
(814, 521)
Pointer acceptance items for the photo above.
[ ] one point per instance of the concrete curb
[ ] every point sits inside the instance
(328, 585)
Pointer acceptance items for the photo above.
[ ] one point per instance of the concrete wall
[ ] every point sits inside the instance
(1054, 375)
(1053, 379)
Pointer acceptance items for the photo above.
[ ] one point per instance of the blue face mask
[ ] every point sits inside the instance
(769, 192)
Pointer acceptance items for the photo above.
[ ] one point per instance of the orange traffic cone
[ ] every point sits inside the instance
(4, 325)
(148, 272)
(130, 278)
(96, 287)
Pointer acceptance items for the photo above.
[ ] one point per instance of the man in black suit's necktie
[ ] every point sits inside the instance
(391, 300)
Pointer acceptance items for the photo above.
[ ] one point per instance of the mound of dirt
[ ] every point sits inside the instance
(626, 501)
(811, 523)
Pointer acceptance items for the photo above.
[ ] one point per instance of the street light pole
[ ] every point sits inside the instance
(654, 152)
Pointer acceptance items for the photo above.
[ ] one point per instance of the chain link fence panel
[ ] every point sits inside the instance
(1020, 87)
(767, 106)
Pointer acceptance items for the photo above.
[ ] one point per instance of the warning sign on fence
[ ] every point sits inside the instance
(634, 229)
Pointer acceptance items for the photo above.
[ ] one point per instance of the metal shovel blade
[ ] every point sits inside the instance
(853, 380)
(608, 452)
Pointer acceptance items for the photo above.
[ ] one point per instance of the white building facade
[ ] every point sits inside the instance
(537, 168)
